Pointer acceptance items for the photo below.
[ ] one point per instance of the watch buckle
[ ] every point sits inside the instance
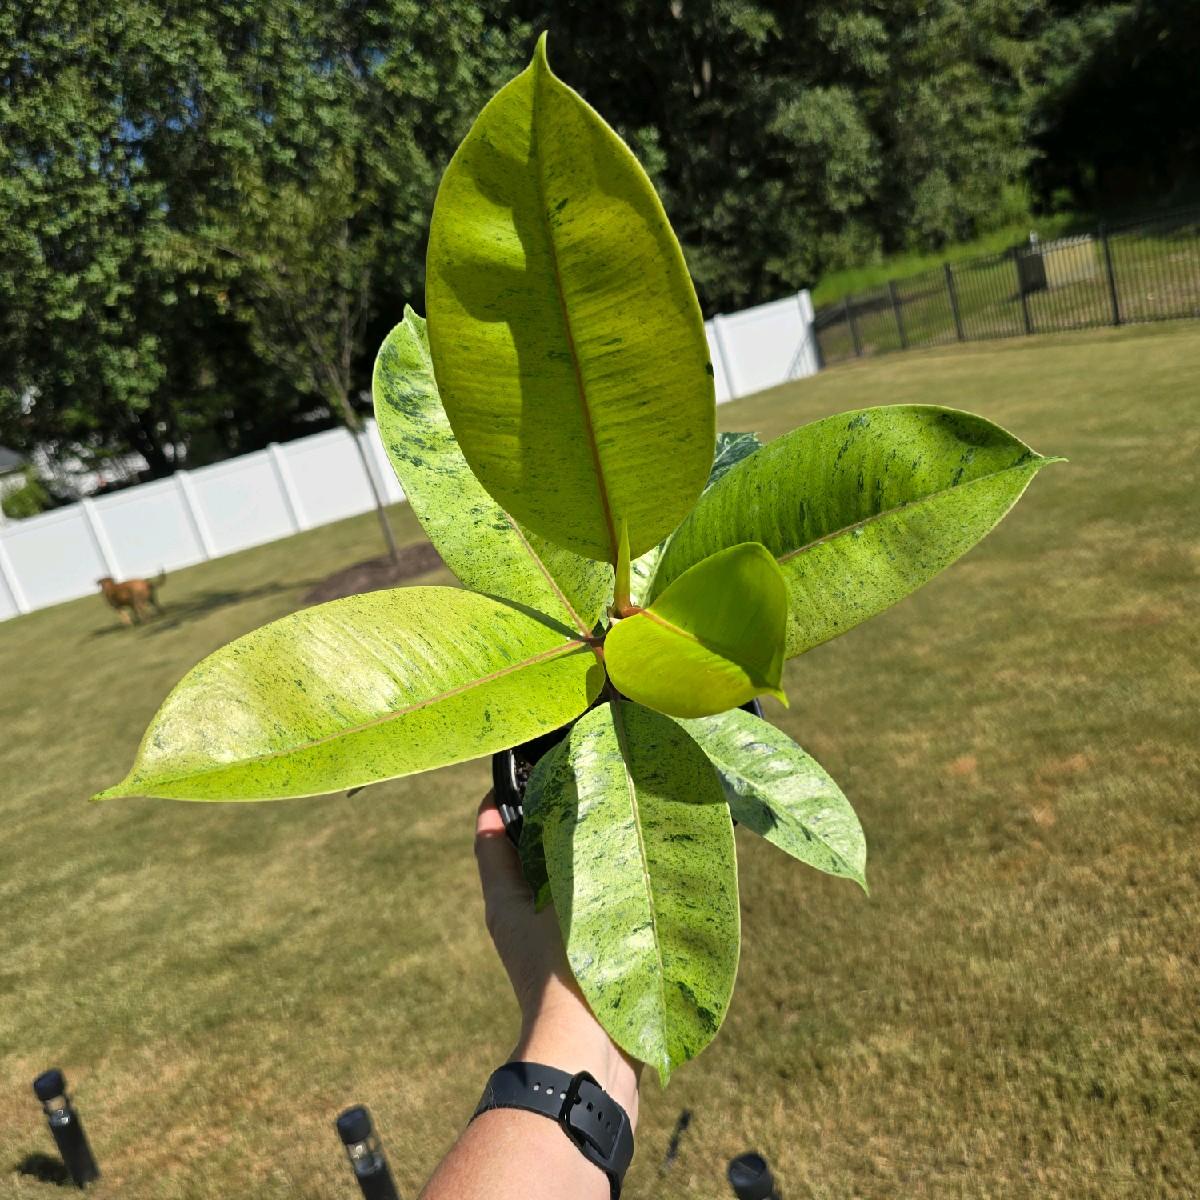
(584, 1137)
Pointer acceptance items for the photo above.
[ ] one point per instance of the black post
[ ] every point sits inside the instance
(51, 1089)
(1112, 276)
(366, 1155)
(1025, 313)
(895, 298)
(952, 291)
(858, 350)
(751, 1179)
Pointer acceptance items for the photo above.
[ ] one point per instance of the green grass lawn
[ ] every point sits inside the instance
(1012, 1013)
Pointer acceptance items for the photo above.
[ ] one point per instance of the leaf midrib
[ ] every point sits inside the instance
(581, 389)
(631, 789)
(1037, 462)
(382, 719)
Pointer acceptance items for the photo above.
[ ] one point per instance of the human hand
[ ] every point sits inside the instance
(557, 1027)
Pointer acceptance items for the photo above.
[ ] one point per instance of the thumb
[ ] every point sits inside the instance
(499, 865)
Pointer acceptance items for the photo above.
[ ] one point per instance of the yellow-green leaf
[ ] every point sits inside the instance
(360, 690)
(711, 641)
(639, 852)
(860, 509)
(478, 540)
(566, 336)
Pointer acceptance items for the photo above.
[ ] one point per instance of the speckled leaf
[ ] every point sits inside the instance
(641, 573)
(639, 850)
(731, 449)
(711, 641)
(859, 509)
(359, 690)
(566, 334)
(478, 540)
(780, 792)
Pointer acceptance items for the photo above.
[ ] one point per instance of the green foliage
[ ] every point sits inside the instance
(566, 354)
(1117, 122)
(793, 139)
(568, 342)
(207, 222)
(164, 192)
(27, 500)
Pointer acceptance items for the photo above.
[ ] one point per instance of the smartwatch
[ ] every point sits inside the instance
(584, 1111)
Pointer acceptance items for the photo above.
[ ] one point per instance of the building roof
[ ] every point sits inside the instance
(10, 460)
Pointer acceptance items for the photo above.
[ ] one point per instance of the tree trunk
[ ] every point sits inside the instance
(380, 510)
(354, 425)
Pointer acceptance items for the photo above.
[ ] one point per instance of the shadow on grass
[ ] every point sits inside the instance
(44, 1168)
(180, 612)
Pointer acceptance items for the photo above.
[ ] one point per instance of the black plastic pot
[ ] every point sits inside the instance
(510, 770)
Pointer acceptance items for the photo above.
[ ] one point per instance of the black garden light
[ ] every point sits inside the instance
(365, 1154)
(51, 1089)
(751, 1178)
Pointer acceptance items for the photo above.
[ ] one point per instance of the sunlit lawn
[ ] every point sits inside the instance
(1012, 1013)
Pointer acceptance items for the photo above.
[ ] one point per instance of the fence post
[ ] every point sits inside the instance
(810, 345)
(8, 574)
(952, 291)
(726, 357)
(91, 518)
(1112, 276)
(858, 350)
(1026, 315)
(195, 514)
(895, 298)
(287, 487)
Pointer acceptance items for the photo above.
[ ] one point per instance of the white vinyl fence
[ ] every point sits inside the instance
(256, 498)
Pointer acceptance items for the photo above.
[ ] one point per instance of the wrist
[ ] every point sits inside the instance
(563, 1033)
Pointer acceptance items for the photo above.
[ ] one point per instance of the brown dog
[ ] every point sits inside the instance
(133, 598)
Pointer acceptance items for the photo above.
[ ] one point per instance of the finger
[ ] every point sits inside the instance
(499, 865)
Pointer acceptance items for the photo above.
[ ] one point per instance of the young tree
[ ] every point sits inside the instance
(295, 264)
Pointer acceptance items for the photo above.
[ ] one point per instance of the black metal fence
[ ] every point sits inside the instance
(1147, 270)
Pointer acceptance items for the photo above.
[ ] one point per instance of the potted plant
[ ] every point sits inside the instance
(553, 429)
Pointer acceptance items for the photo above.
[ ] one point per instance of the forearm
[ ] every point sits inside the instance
(507, 1154)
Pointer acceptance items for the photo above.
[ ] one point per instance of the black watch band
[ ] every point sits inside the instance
(587, 1114)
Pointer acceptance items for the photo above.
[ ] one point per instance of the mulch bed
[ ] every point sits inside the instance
(375, 573)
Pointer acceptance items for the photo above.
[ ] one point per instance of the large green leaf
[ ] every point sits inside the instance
(639, 851)
(478, 540)
(567, 338)
(711, 641)
(860, 509)
(780, 792)
(359, 690)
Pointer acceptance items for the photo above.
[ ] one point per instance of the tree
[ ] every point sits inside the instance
(122, 132)
(792, 139)
(1117, 120)
(295, 264)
